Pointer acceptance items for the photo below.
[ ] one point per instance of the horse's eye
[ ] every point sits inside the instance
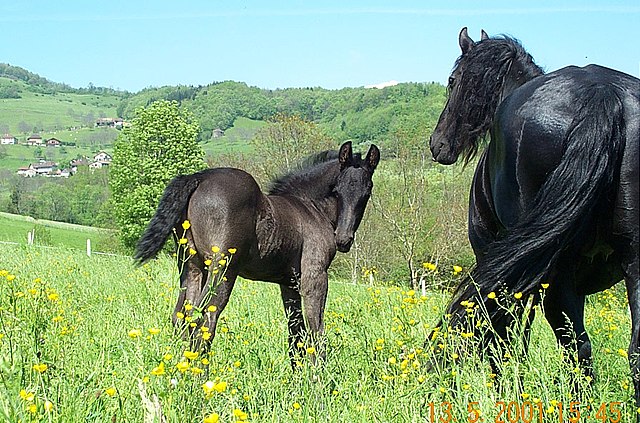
(451, 80)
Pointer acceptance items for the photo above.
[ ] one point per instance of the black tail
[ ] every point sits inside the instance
(171, 210)
(524, 258)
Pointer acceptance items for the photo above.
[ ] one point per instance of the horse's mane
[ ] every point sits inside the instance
(299, 180)
(485, 68)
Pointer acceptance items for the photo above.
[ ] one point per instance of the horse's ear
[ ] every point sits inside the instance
(345, 156)
(483, 35)
(373, 158)
(466, 43)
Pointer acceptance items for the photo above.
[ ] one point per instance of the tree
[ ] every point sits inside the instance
(160, 145)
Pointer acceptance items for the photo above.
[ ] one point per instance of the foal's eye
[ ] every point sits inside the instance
(451, 80)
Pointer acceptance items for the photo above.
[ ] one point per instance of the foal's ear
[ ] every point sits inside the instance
(345, 156)
(483, 35)
(373, 158)
(466, 43)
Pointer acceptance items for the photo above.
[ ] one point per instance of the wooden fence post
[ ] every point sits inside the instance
(88, 247)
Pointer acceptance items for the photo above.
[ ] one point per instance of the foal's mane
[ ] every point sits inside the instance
(311, 178)
(485, 68)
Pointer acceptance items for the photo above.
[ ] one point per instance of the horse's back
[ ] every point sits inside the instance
(224, 209)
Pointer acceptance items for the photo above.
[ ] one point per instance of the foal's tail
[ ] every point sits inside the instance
(563, 208)
(171, 210)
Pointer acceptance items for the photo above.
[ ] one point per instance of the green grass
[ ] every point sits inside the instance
(236, 139)
(56, 234)
(52, 111)
(89, 319)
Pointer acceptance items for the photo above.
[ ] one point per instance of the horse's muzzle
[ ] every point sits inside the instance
(344, 244)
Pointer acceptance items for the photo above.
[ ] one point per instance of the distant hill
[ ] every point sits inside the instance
(30, 103)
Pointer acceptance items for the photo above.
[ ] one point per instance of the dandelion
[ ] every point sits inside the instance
(517, 295)
(40, 368)
(110, 391)
(134, 333)
(159, 370)
(212, 418)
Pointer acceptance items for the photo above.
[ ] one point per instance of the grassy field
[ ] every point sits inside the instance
(56, 234)
(47, 112)
(87, 338)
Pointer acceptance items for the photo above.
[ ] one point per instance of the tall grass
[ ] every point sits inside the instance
(87, 338)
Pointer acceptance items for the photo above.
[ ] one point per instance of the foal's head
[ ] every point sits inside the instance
(353, 189)
(485, 73)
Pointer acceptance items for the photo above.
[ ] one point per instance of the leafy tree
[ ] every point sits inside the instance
(159, 145)
(287, 139)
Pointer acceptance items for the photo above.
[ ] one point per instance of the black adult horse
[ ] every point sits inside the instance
(555, 194)
(289, 236)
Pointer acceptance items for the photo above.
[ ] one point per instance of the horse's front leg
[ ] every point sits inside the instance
(314, 284)
(292, 303)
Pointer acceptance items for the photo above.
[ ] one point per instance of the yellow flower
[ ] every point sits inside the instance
(222, 262)
(206, 336)
(27, 396)
(158, 371)
(429, 266)
(40, 368)
(154, 331)
(311, 350)
(110, 391)
(220, 387)
(182, 366)
(491, 295)
(296, 406)
(457, 269)
(545, 285)
(48, 406)
(192, 252)
(32, 408)
(517, 295)
(32, 291)
(622, 353)
(237, 364)
(186, 225)
(232, 250)
(239, 414)
(188, 307)
(182, 241)
(212, 308)
(215, 249)
(10, 277)
(52, 296)
(212, 418)
(134, 333)
(190, 355)
(392, 360)
(207, 262)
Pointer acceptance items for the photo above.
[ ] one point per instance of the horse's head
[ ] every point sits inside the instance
(353, 189)
(485, 73)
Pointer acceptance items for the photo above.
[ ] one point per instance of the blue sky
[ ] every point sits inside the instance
(332, 44)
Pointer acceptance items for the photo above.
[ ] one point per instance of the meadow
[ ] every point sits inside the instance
(90, 339)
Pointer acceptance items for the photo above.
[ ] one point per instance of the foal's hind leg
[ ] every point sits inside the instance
(190, 282)
(212, 301)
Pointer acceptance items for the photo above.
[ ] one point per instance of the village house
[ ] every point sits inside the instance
(100, 160)
(34, 139)
(217, 133)
(117, 123)
(8, 139)
(54, 142)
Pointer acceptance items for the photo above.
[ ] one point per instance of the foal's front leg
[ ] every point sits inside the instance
(292, 303)
(314, 285)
